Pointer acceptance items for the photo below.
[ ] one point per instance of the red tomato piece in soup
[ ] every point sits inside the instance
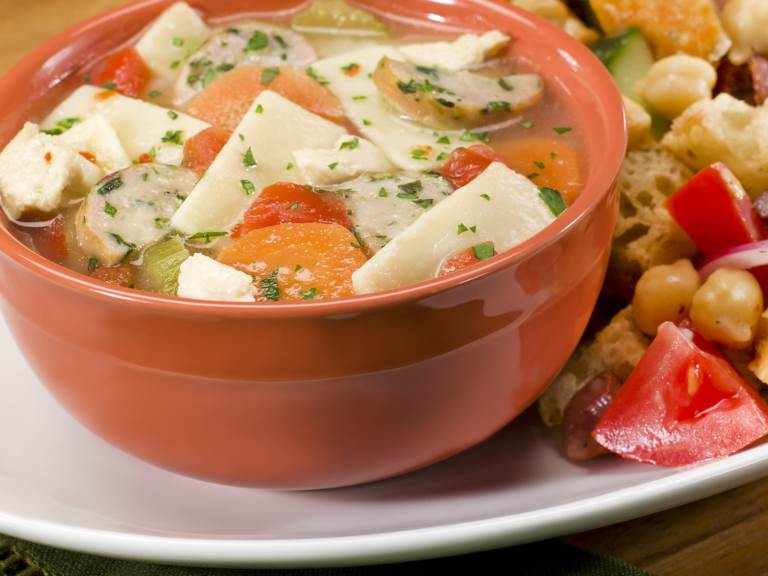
(126, 72)
(682, 404)
(467, 258)
(286, 202)
(201, 150)
(116, 275)
(465, 164)
(225, 101)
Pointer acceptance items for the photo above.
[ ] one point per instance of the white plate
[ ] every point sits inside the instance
(61, 485)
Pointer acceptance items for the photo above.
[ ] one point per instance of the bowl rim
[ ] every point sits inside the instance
(591, 196)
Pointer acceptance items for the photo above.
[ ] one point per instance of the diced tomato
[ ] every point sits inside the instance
(146, 158)
(286, 202)
(458, 262)
(225, 101)
(201, 150)
(51, 240)
(125, 70)
(545, 161)
(681, 405)
(465, 164)
(715, 211)
(116, 275)
(298, 261)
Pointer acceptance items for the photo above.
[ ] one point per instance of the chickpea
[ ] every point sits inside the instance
(638, 124)
(746, 22)
(675, 82)
(727, 308)
(664, 293)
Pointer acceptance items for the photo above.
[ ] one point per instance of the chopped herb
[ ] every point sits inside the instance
(298, 267)
(562, 129)
(485, 197)
(109, 86)
(161, 222)
(412, 187)
(173, 137)
(473, 228)
(180, 197)
(257, 41)
(295, 206)
(351, 68)
(407, 196)
(240, 135)
(109, 209)
(475, 137)
(205, 236)
(366, 122)
(145, 176)
(506, 85)
(152, 152)
(121, 242)
(92, 264)
(110, 186)
(410, 88)
(225, 67)
(209, 76)
(155, 93)
(350, 144)
(175, 64)
(496, 106)
(359, 98)
(333, 165)
(192, 79)
(442, 156)
(461, 228)
(425, 202)
(383, 192)
(62, 126)
(527, 124)
(289, 166)
(178, 41)
(248, 160)
(484, 251)
(532, 175)
(420, 153)
(444, 140)
(553, 199)
(259, 109)
(270, 287)
(553, 155)
(446, 103)
(248, 187)
(428, 71)
(280, 40)
(310, 294)
(268, 75)
(172, 115)
(539, 164)
(316, 77)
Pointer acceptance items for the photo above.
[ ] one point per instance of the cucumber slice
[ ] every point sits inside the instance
(159, 271)
(628, 58)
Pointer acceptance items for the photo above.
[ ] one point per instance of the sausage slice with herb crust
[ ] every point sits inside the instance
(130, 209)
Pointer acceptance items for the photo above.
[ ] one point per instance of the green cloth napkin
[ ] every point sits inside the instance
(550, 558)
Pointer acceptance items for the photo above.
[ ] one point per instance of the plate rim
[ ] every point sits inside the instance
(679, 488)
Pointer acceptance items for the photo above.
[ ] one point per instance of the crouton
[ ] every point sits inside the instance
(759, 365)
(724, 130)
(617, 348)
(670, 26)
(638, 124)
(646, 235)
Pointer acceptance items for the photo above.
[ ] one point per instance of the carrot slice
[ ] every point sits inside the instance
(201, 150)
(225, 101)
(546, 161)
(298, 261)
(122, 275)
(286, 202)
(126, 72)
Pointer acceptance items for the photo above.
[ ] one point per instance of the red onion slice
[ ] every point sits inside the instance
(744, 257)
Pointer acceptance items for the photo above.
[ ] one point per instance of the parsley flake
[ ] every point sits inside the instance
(178, 41)
(562, 129)
(310, 294)
(92, 264)
(527, 124)
(174, 137)
(270, 287)
(110, 186)
(483, 251)
(553, 199)
(205, 236)
(259, 109)
(257, 41)
(468, 136)
(268, 75)
(172, 115)
(350, 144)
(109, 209)
(248, 187)
(248, 160)
(333, 165)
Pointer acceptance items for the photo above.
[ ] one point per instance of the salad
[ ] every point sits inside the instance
(674, 367)
(303, 158)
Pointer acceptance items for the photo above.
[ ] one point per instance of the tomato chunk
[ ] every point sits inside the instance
(201, 150)
(682, 404)
(467, 258)
(715, 211)
(298, 261)
(224, 102)
(465, 164)
(286, 202)
(116, 275)
(126, 72)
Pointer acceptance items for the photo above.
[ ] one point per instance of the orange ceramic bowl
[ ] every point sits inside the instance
(321, 394)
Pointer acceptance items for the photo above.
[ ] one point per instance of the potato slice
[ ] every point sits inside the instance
(454, 99)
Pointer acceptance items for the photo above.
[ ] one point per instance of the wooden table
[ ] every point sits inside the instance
(723, 535)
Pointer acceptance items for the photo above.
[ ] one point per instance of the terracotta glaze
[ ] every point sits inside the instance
(321, 394)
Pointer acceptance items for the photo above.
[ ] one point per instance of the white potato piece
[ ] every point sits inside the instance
(143, 128)
(347, 159)
(170, 39)
(203, 278)
(96, 136)
(259, 153)
(38, 172)
(130, 210)
(241, 44)
(467, 51)
(407, 144)
(499, 206)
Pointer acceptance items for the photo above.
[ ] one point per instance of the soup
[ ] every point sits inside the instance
(314, 157)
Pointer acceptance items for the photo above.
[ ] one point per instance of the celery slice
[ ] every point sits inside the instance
(159, 271)
(338, 17)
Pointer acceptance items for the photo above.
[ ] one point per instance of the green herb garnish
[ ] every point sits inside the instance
(310, 294)
(174, 137)
(270, 287)
(109, 209)
(248, 159)
(553, 199)
(350, 144)
(268, 75)
(483, 251)
(562, 129)
(110, 186)
(257, 41)
(248, 187)
(205, 236)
